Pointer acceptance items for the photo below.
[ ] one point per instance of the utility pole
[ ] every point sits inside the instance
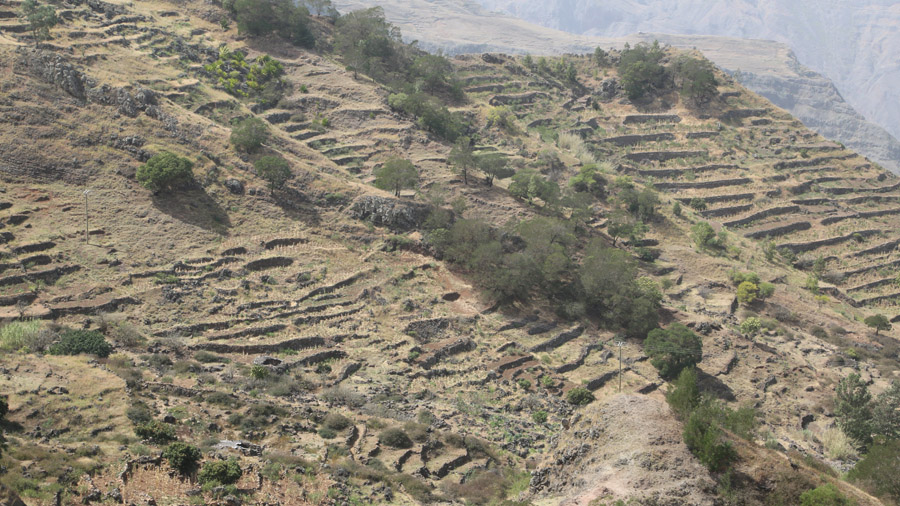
(86, 192)
(620, 344)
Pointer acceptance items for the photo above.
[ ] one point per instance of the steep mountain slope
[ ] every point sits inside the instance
(768, 68)
(248, 319)
(854, 43)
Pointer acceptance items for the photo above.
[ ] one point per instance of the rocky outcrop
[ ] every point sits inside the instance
(395, 214)
(55, 69)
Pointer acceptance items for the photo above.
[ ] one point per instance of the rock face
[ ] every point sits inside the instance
(392, 213)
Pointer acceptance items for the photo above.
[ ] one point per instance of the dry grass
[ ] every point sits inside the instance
(838, 446)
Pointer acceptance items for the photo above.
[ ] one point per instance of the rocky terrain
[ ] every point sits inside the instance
(769, 68)
(295, 329)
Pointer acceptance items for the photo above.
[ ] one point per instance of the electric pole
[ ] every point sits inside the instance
(620, 344)
(86, 192)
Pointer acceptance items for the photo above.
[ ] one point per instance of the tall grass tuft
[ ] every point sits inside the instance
(19, 335)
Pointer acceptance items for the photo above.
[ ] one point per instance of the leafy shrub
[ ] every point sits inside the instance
(156, 432)
(747, 293)
(580, 396)
(220, 472)
(684, 395)
(74, 342)
(695, 78)
(877, 472)
(165, 170)
(182, 456)
(430, 114)
(273, 169)
(395, 438)
(524, 384)
(336, 421)
(539, 416)
(672, 349)
(751, 325)
(249, 134)
(326, 433)
(258, 371)
(139, 413)
(703, 436)
(705, 237)
(825, 495)
(738, 277)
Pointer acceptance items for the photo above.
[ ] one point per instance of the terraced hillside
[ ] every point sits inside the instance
(292, 329)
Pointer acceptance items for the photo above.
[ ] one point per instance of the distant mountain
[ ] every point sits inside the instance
(769, 68)
(854, 43)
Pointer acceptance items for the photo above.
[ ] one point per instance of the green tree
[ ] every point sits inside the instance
(182, 457)
(877, 472)
(249, 134)
(369, 44)
(282, 17)
(695, 79)
(494, 165)
(156, 432)
(74, 342)
(530, 184)
(274, 169)
(165, 170)
(601, 57)
(434, 72)
(580, 396)
(395, 175)
(40, 19)
(852, 405)
(673, 349)
(886, 412)
(640, 70)
(878, 322)
(462, 157)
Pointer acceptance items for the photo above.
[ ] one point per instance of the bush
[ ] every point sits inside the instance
(182, 457)
(877, 472)
(336, 421)
(326, 433)
(139, 413)
(395, 438)
(705, 237)
(825, 495)
(249, 134)
(273, 169)
(165, 170)
(696, 79)
(672, 349)
(704, 438)
(209, 358)
(580, 396)
(539, 417)
(751, 325)
(156, 432)
(220, 472)
(74, 342)
(747, 293)
(684, 395)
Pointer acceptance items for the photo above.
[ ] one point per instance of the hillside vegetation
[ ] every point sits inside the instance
(254, 255)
